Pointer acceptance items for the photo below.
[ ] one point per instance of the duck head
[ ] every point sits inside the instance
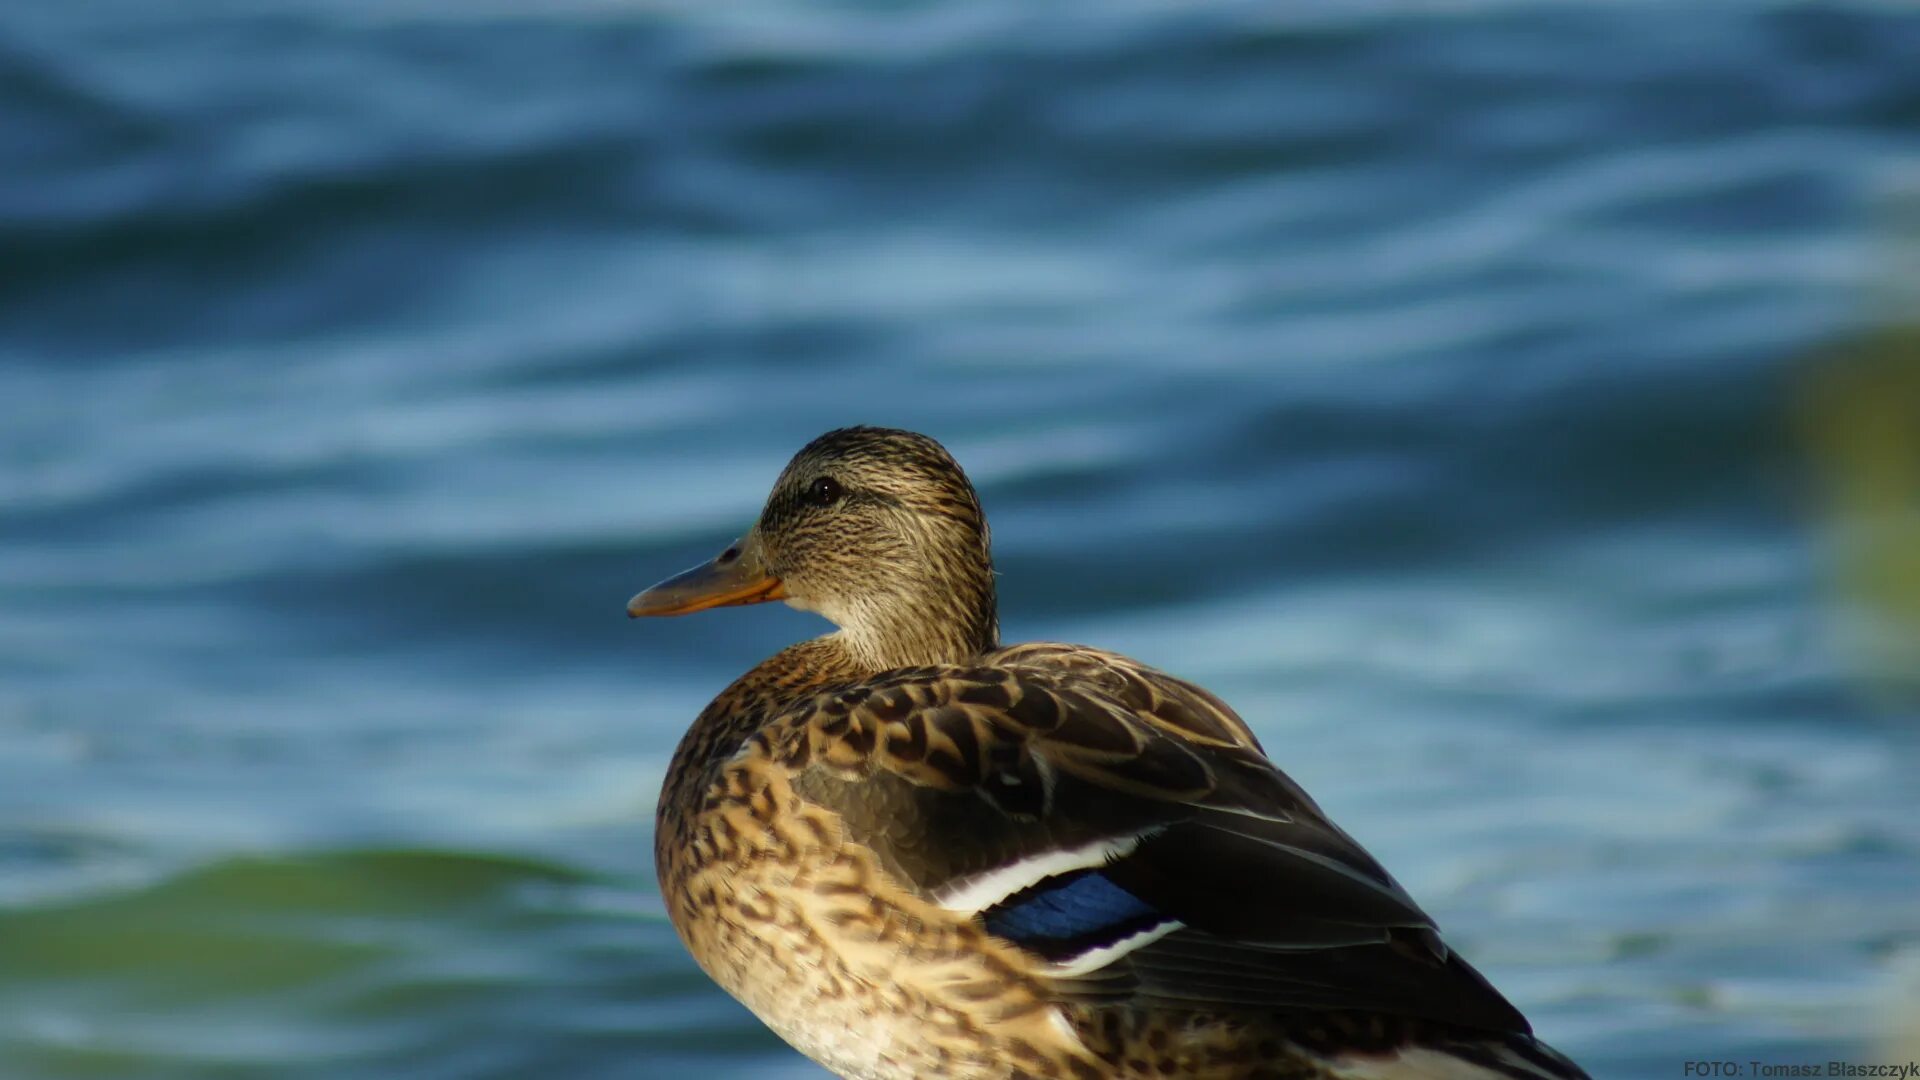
(876, 529)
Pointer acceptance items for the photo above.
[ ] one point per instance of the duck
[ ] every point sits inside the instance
(914, 851)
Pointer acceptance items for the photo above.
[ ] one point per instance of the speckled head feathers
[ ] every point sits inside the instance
(880, 531)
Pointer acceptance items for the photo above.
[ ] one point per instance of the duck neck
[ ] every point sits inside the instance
(951, 626)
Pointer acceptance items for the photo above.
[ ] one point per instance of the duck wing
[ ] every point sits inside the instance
(1124, 829)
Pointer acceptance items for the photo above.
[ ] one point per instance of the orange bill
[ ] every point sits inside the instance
(736, 576)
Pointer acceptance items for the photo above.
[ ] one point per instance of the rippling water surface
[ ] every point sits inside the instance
(1420, 377)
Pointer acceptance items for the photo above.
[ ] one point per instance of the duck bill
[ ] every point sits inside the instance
(736, 576)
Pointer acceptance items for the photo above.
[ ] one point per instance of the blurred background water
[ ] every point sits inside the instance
(1427, 378)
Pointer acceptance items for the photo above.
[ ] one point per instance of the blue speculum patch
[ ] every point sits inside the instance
(1083, 910)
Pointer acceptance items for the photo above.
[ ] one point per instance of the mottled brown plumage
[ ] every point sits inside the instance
(916, 853)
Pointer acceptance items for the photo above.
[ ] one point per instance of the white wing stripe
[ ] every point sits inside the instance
(982, 891)
(1095, 959)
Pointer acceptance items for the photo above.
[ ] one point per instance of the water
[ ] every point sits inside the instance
(1423, 378)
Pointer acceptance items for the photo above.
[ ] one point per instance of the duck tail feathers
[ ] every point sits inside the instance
(1509, 1057)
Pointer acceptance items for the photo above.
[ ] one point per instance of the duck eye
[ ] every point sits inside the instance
(823, 491)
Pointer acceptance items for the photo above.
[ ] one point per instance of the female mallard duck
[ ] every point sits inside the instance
(915, 852)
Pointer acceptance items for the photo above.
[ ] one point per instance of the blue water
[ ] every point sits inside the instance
(1427, 379)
